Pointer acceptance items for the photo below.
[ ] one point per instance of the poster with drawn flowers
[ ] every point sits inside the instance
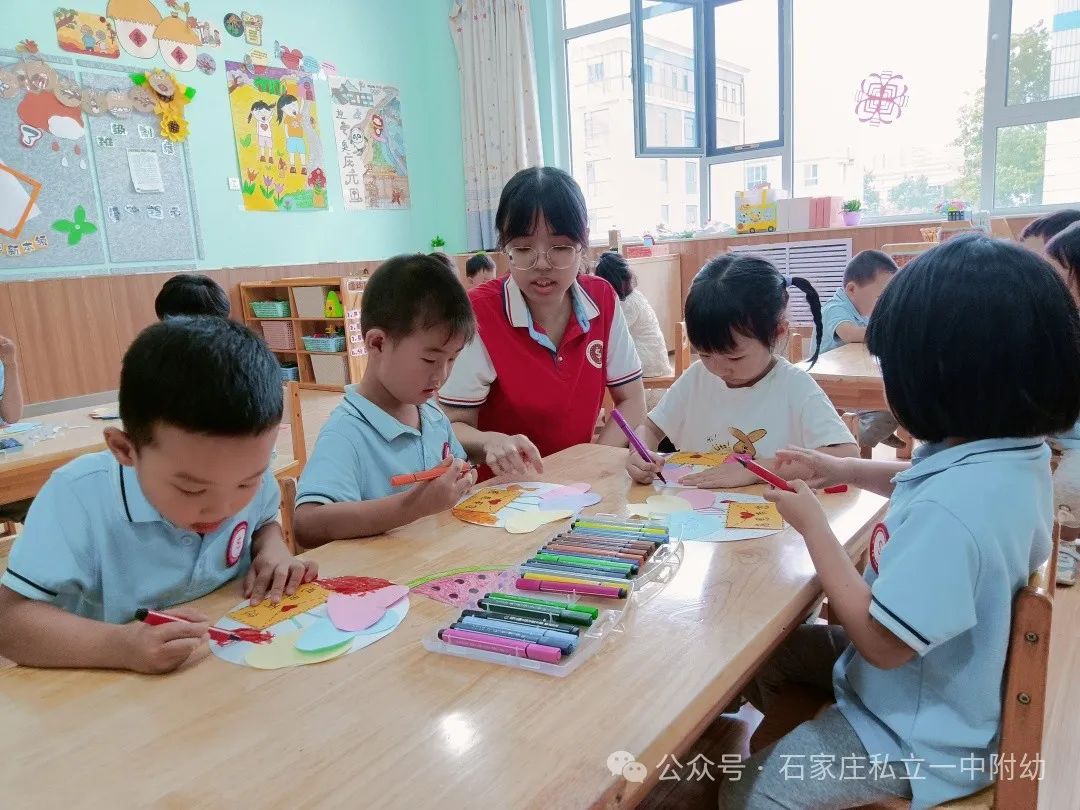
(275, 127)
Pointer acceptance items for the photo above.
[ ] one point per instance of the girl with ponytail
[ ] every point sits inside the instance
(740, 396)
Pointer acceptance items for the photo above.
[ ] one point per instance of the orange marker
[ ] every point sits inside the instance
(426, 475)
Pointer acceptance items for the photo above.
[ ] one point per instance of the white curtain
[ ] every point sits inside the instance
(500, 114)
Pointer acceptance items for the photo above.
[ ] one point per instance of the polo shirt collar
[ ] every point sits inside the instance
(137, 509)
(383, 423)
(929, 459)
(517, 311)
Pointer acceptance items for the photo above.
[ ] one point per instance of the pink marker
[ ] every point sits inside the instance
(604, 591)
(498, 644)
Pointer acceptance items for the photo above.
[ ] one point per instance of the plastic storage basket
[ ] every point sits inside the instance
(290, 373)
(324, 344)
(270, 309)
(279, 336)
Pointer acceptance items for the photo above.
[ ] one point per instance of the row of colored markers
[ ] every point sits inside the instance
(599, 557)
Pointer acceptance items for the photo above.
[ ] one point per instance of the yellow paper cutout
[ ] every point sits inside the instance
(754, 516)
(480, 507)
(525, 522)
(265, 614)
(282, 652)
(660, 505)
(692, 459)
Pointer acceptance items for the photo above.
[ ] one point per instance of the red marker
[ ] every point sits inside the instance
(770, 477)
(426, 475)
(153, 617)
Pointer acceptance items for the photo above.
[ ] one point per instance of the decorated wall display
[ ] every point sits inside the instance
(86, 33)
(144, 32)
(371, 144)
(159, 92)
(253, 24)
(275, 126)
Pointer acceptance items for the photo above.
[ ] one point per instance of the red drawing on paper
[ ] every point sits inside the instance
(881, 98)
(353, 586)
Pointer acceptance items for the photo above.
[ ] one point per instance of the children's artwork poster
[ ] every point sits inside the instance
(709, 516)
(48, 209)
(371, 144)
(275, 127)
(524, 507)
(323, 620)
(86, 33)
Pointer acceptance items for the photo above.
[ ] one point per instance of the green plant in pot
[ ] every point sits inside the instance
(438, 242)
(851, 210)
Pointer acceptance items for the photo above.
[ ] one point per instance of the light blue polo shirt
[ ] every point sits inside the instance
(965, 528)
(1069, 440)
(361, 446)
(94, 546)
(837, 310)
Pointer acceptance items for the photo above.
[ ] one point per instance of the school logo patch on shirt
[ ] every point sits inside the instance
(878, 541)
(236, 544)
(594, 353)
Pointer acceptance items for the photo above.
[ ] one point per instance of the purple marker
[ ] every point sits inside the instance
(635, 442)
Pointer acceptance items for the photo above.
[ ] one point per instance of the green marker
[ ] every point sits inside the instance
(585, 562)
(588, 524)
(509, 597)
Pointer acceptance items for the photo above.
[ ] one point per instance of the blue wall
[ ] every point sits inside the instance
(402, 42)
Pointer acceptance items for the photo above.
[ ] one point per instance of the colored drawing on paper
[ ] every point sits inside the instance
(461, 587)
(86, 33)
(371, 144)
(753, 516)
(494, 506)
(18, 200)
(694, 459)
(352, 585)
(275, 126)
(265, 614)
(282, 652)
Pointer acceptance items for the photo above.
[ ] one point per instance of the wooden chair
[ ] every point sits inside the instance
(682, 360)
(1023, 702)
(296, 422)
(797, 339)
(851, 419)
(288, 512)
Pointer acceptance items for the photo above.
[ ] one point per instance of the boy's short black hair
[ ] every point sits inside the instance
(542, 191)
(1050, 225)
(864, 268)
(478, 263)
(978, 338)
(191, 294)
(412, 292)
(444, 258)
(615, 269)
(203, 375)
(1065, 250)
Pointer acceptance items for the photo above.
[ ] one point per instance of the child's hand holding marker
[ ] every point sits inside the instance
(642, 471)
(157, 649)
(439, 494)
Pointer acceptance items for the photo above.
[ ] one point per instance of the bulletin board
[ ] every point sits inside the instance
(85, 208)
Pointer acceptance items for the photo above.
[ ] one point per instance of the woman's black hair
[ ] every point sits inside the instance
(283, 102)
(744, 294)
(978, 338)
(615, 269)
(1065, 250)
(542, 191)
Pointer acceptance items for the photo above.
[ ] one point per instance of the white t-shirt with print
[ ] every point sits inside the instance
(700, 413)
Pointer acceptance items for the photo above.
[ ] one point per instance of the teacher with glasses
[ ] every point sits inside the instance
(548, 342)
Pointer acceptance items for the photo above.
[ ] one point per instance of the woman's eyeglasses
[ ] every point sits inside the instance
(559, 257)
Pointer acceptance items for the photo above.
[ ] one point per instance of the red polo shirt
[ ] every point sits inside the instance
(522, 386)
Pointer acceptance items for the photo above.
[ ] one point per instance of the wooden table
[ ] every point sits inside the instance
(22, 474)
(396, 726)
(851, 379)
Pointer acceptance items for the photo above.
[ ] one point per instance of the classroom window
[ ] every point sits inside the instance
(1044, 57)
(689, 128)
(757, 175)
(622, 190)
(747, 47)
(691, 169)
(668, 43)
(691, 216)
(1038, 164)
(583, 12)
(725, 179)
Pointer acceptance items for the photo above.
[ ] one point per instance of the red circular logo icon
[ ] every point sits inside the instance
(236, 544)
(878, 541)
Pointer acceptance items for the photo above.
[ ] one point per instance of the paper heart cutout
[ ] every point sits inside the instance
(676, 472)
(321, 635)
(525, 522)
(660, 505)
(282, 652)
(352, 613)
(385, 597)
(388, 622)
(573, 503)
(694, 526)
(697, 498)
(746, 515)
(563, 491)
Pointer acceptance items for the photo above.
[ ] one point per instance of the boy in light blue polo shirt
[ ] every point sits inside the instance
(415, 318)
(917, 661)
(844, 318)
(181, 503)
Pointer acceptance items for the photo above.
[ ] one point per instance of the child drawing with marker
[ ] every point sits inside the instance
(289, 109)
(262, 113)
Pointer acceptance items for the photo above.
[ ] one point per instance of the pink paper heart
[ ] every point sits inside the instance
(698, 498)
(352, 613)
(385, 597)
(675, 472)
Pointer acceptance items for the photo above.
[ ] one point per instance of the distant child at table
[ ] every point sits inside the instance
(416, 319)
(479, 269)
(191, 294)
(740, 396)
(11, 395)
(640, 320)
(1040, 231)
(844, 318)
(917, 659)
(181, 503)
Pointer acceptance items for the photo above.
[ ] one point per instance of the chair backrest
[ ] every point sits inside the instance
(682, 349)
(288, 512)
(797, 339)
(296, 422)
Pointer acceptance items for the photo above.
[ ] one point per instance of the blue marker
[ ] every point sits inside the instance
(534, 635)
